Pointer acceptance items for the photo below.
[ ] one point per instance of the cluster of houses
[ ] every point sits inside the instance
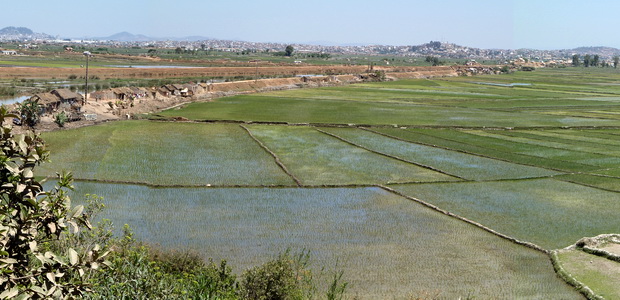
(165, 91)
(59, 100)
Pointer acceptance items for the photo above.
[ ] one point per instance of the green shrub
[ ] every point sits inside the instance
(61, 119)
(139, 271)
(285, 277)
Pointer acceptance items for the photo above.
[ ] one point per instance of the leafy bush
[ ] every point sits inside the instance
(30, 217)
(144, 272)
(61, 119)
(29, 112)
(286, 277)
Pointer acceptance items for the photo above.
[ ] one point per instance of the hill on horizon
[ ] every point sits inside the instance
(13, 33)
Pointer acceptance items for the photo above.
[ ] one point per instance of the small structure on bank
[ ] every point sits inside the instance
(59, 100)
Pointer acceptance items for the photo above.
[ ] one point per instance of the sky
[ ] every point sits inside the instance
(494, 24)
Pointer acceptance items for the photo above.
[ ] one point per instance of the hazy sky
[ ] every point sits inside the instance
(542, 24)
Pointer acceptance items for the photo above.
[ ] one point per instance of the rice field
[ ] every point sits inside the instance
(163, 154)
(319, 159)
(467, 166)
(388, 246)
(537, 161)
(493, 144)
(440, 102)
(550, 213)
(261, 108)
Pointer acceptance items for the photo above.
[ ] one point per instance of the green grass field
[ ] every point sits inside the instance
(538, 162)
(598, 273)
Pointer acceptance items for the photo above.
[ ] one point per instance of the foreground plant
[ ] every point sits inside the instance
(31, 218)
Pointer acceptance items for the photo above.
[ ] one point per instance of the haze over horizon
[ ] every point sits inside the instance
(512, 24)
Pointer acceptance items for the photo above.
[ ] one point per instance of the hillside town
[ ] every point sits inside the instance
(29, 39)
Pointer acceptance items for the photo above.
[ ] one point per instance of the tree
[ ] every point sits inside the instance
(29, 112)
(30, 218)
(595, 61)
(575, 60)
(587, 60)
(289, 50)
(616, 61)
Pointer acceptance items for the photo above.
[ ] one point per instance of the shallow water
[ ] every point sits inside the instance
(7, 101)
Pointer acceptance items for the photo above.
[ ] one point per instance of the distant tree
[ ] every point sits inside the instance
(595, 60)
(575, 60)
(616, 61)
(289, 50)
(587, 60)
(178, 50)
(435, 45)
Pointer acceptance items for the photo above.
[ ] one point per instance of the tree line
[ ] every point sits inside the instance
(594, 61)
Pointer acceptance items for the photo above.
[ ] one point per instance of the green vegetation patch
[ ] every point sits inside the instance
(388, 246)
(457, 163)
(164, 154)
(599, 274)
(319, 159)
(546, 212)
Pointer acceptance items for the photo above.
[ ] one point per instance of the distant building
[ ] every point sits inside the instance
(9, 52)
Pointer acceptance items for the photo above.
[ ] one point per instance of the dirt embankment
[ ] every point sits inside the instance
(108, 73)
(261, 71)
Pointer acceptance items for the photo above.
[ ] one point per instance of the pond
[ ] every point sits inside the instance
(7, 101)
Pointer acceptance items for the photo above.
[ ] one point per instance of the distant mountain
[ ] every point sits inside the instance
(15, 31)
(129, 37)
(21, 34)
(193, 38)
(600, 50)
